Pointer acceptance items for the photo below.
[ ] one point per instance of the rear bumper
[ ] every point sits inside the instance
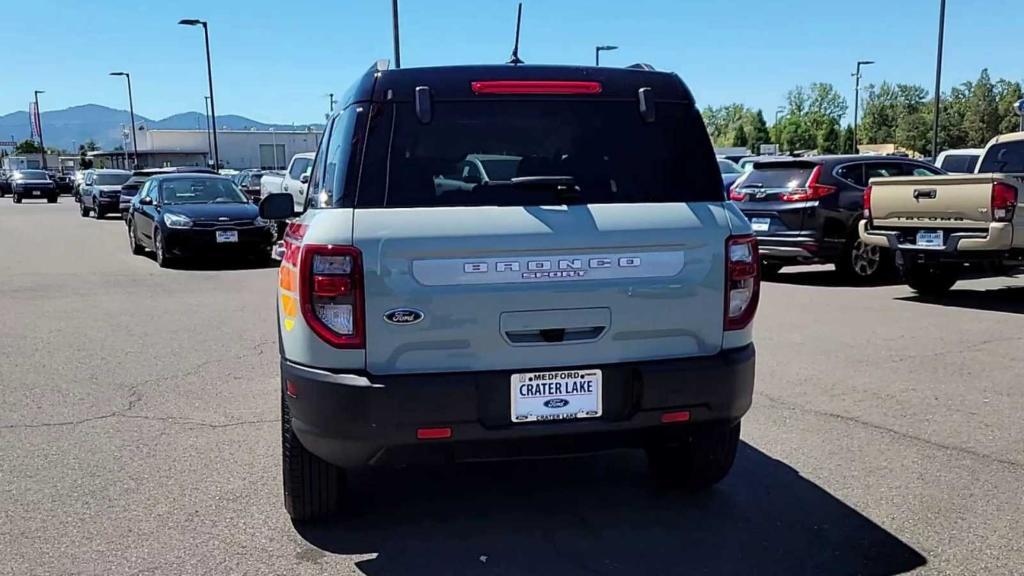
(355, 420)
(794, 249)
(997, 239)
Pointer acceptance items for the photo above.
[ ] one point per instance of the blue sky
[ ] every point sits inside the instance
(275, 61)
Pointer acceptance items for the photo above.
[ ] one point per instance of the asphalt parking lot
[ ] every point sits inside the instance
(140, 435)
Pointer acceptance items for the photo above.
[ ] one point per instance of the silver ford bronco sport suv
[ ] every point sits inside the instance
(512, 261)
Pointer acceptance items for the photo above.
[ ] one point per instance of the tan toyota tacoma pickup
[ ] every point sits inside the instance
(938, 224)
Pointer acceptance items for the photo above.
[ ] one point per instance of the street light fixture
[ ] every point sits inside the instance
(131, 108)
(856, 99)
(39, 115)
(598, 50)
(209, 77)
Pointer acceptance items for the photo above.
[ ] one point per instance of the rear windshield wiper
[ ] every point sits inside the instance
(565, 188)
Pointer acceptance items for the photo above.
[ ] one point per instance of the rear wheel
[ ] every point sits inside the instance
(699, 460)
(312, 487)
(862, 263)
(932, 279)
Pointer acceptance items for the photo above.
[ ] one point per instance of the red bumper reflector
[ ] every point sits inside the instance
(433, 433)
(535, 87)
(291, 389)
(672, 417)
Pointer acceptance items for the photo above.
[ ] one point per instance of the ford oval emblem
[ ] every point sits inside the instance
(556, 403)
(403, 316)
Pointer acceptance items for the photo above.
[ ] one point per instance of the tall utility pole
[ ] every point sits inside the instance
(209, 139)
(209, 77)
(856, 99)
(598, 50)
(938, 79)
(39, 116)
(394, 26)
(131, 108)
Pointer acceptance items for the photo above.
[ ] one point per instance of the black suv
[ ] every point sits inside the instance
(806, 210)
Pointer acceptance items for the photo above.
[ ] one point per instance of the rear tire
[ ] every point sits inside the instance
(312, 487)
(698, 461)
(932, 279)
(860, 263)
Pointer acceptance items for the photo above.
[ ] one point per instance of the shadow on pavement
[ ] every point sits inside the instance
(224, 264)
(1009, 299)
(599, 515)
(828, 278)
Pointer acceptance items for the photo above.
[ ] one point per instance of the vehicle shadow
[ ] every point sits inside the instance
(221, 264)
(828, 278)
(1009, 299)
(600, 515)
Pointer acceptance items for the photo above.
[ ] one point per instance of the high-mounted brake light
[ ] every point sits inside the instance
(813, 190)
(867, 203)
(331, 294)
(742, 281)
(1004, 202)
(535, 87)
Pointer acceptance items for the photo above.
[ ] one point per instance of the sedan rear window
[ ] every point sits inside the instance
(781, 176)
(537, 152)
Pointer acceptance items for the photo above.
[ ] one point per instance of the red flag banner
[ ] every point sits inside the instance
(33, 114)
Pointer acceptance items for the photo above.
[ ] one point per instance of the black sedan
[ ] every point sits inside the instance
(186, 215)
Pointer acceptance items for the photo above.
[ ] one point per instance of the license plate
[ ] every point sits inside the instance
(760, 224)
(930, 239)
(227, 236)
(548, 396)
(37, 193)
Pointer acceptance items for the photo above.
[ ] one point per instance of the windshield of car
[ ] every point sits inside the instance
(199, 191)
(32, 175)
(778, 176)
(543, 152)
(728, 167)
(1005, 157)
(111, 179)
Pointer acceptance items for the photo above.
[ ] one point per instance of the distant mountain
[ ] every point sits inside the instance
(72, 126)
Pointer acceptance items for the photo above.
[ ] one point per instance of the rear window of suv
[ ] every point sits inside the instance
(778, 176)
(1006, 157)
(507, 152)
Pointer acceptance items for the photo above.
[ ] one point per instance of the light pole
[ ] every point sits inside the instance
(39, 116)
(273, 137)
(598, 50)
(394, 26)
(778, 111)
(856, 99)
(209, 140)
(209, 77)
(938, 79)
(131, 108)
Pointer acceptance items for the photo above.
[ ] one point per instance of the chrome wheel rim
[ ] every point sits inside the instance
(865, 259)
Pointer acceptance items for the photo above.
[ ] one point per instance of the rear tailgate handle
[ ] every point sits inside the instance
(925, 193)
(555, 335)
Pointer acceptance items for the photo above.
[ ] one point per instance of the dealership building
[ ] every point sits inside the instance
(238, 149)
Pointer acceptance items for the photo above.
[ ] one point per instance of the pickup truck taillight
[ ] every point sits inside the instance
(812, 191)
(742, 281)
(1004, 202)
(867, 203)
(331, 293)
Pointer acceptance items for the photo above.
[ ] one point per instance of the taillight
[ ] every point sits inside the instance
(293, 235)
(1004, 202)
(813, 190)
(742, 281)
(535, 87)
(331, 293)
(867, 203)
(735, 195)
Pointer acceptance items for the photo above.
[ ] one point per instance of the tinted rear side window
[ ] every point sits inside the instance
(781, 176)
(1005, 157)
(474, 153)
(959, 163)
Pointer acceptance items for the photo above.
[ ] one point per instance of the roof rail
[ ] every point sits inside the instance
(640, 66)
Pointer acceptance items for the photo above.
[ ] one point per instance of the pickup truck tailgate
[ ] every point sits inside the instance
(962, 201)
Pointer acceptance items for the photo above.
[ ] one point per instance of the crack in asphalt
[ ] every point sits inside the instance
(135, 396)
(970, 451)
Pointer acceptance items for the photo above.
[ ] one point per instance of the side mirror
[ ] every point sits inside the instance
(146, 201)
(277, 206)
(304, 178)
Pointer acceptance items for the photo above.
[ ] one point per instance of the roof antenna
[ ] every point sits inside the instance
(515, 61)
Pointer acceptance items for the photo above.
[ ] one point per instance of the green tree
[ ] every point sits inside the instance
(914, 132)
(829, 138)
(797, 135)
(758, 133)
(27, 147)
(739, 136)
(981, 120)
(1007, 94)
(90, 145)
(846, 140)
